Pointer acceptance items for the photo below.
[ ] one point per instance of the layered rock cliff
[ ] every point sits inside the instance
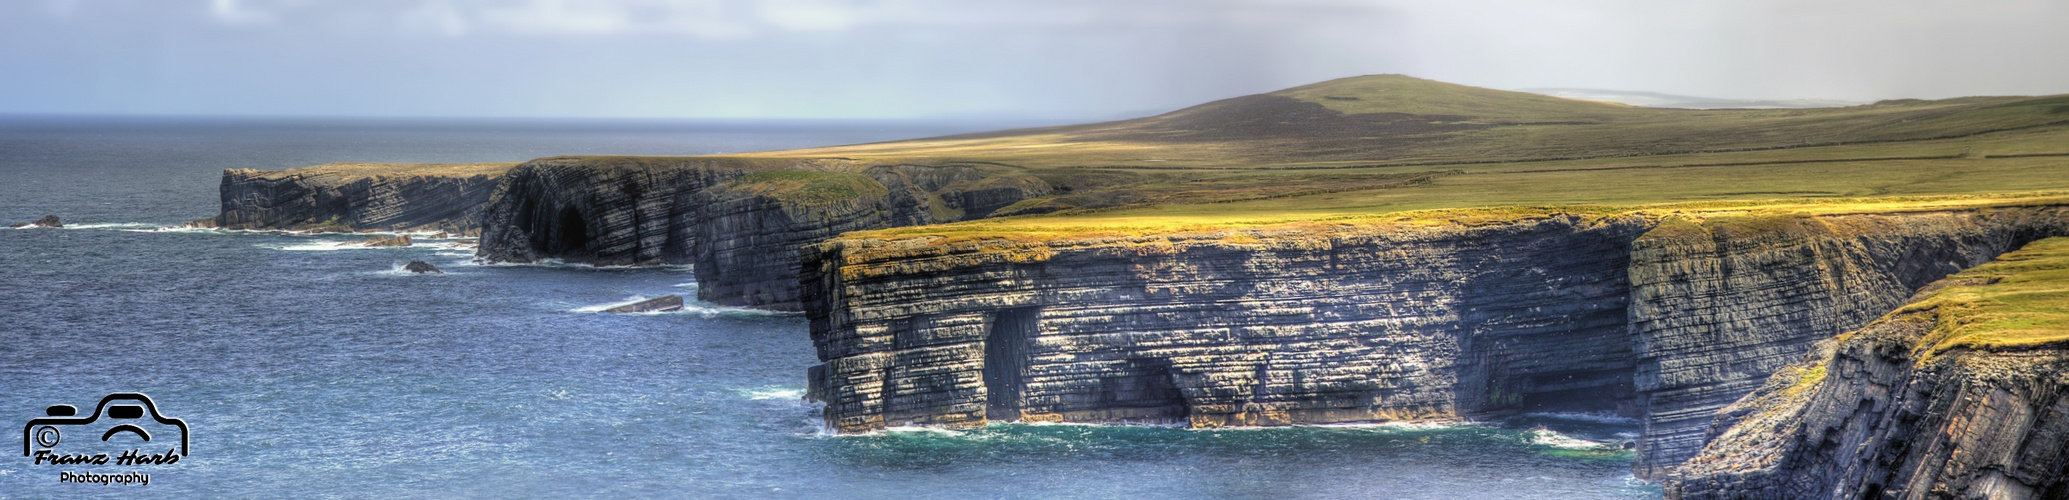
(1253, 327)
(1641, 314)
(359, 197)
(752, 228)
(1720, 305)
(1964, 393)
(740, 221)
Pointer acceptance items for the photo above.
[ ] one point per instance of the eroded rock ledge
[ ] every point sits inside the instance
(1640, 314)
(359, 197)
(1963, 393)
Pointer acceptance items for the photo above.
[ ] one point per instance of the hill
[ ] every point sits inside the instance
(1389, 143)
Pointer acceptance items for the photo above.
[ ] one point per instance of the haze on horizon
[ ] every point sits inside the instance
(1049, 60)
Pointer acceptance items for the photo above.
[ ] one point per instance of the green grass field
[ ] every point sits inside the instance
(1369, 146)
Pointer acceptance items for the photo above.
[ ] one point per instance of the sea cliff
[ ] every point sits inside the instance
(1652, 314)
(1718, 306)
(359, 197)
(1961, 393)
(740, 221)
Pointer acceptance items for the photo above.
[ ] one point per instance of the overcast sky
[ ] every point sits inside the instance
(1055, 59)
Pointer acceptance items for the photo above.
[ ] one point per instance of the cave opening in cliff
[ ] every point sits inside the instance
(1148, 391)
(1005, 359)
(570, 233)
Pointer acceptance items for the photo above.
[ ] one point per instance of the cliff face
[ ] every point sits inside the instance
(753, 227)
(1360, 323)
(359, 197)
(1719, 306)
(1243, 328)
(1903, 409)
(605, 211)
(740, 221)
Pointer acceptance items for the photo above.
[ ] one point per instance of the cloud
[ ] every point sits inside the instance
(1050, 58)
(230, 11)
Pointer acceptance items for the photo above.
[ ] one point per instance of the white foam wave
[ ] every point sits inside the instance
(603, 307)
(402, 269)
(322, 246)
(1543, 437)
(109, 225)
(1600, 418)
(771, 393)
(690, 307)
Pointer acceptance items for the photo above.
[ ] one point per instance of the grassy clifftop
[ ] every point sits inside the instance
(2020, 299)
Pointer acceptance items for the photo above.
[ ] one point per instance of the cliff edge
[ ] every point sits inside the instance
(1961, 393)
(359, 197)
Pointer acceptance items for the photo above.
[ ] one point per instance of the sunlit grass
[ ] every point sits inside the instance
(2020, 299)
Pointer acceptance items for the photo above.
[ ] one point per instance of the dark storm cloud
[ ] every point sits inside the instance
(904, 58)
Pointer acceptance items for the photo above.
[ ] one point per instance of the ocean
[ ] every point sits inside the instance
(307, 368)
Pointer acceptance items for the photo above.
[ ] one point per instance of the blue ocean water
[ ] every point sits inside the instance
(307, 368)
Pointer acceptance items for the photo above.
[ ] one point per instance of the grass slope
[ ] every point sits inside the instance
(2020, 299)
(1363, 146)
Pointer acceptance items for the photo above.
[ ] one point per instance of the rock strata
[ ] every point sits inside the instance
(751, 230)
(1718, 306)
(1897, 410)
(605, 211)
(1643, 315)
(348, 197)
(1216, 329)
(742, 236)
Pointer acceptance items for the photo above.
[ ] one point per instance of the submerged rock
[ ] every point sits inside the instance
(46, 221)
(663, 303)
(421, 267)
(385, 241)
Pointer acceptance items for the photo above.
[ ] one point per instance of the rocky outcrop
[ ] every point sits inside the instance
(46, 221)
(922, 195)
(751, 230)
(604, 210)
(740, 221)
(388, 241)
(359, 197)
(1642, 314)
(421, 267)
(1253, 327)
(1903, 408)
(1717, 307)
(664, 303)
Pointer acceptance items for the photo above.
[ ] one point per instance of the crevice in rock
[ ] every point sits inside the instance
(1005, 360)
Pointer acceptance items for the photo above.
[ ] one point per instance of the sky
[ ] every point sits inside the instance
(936, 59)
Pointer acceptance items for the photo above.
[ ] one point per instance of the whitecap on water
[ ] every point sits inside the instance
(109, 225)
(690, 307)
(1600, 418)
(771, 393)
(1545, 437)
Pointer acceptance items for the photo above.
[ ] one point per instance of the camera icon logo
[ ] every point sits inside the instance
(120, 416)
